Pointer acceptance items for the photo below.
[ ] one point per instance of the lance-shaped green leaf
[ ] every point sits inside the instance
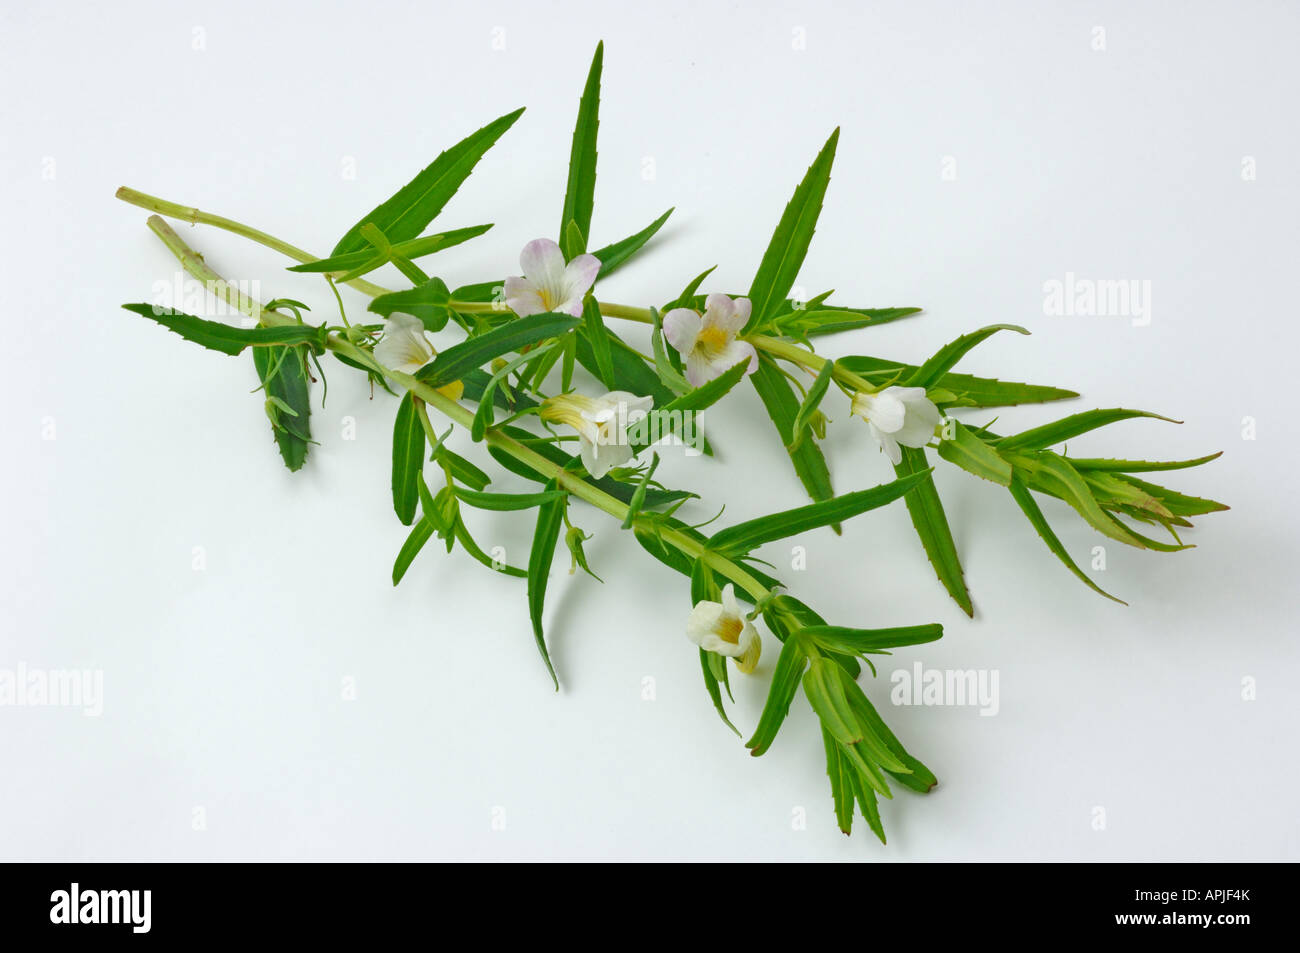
(482, 292)
(637, 502)
(824, 687)
(811, 401)
(1020, 493)
(916, 775)
(614, 256)
(408, 458)
(507, 501)
(1179, 504)
(931, 524)
(462, 470)
(357, 263)
(708, 393)
(704, 587)
(1139, 466)
(420, 534)
(631, 373)
(870, 641)
(671, 419)
(789, 245)
(483, 416)
(598, 336)
(669, 372)
(1050, 473)
(928, 374)
(785, 681)
(867, 804)
(832, 319)
(283, 372)
(418, 203)
(841, 787)
(550, 520)
(224, 338)
(580, 192)
(470, 546)
(783, 407)
(476, 385)
(427, 301)
(965, 449)
(714, 688)
(441, 511)
(472, 353)
(970, 391)
(1072, 426)
(688, 298)
(745, 536)
(876, 748)
(1112, 491)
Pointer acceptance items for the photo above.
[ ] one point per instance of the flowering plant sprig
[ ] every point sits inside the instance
(526, 335)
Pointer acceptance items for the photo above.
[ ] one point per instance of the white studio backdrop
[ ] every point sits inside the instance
(267, 694)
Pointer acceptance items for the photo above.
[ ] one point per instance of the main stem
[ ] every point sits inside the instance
(571, 482)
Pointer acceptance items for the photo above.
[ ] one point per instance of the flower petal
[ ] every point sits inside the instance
(703, 622)
(403, 347)
(743, 310)
(522, 297)
(918, 429)
(579, 276)
(887, 443)
(682, 329)
(729, 603)
(751, 647)
(886, 411)
(699, 369)
(543, 263)
(738, 351)
(720, 311)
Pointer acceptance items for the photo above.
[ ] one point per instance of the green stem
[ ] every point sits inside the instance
(196, 217)
(571, 482)
(806, 358)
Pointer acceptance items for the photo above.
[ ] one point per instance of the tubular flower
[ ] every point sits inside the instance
(708, 342)
(898, 415)
(721, 627)
(548, 284)
(601, 423)
(405, 348)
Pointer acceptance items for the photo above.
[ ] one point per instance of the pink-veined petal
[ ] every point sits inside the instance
(699, 369)
(682, 329)
(522, 297)
(738, 351)
(722, 312)
(543, 263)
(580, 275)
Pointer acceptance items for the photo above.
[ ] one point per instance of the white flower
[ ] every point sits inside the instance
(405, 349)
(709, 342)
(548, 283)
(601, 423)
(898, 415)
(723, 628)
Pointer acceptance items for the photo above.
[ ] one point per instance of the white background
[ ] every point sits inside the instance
(223, 686)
